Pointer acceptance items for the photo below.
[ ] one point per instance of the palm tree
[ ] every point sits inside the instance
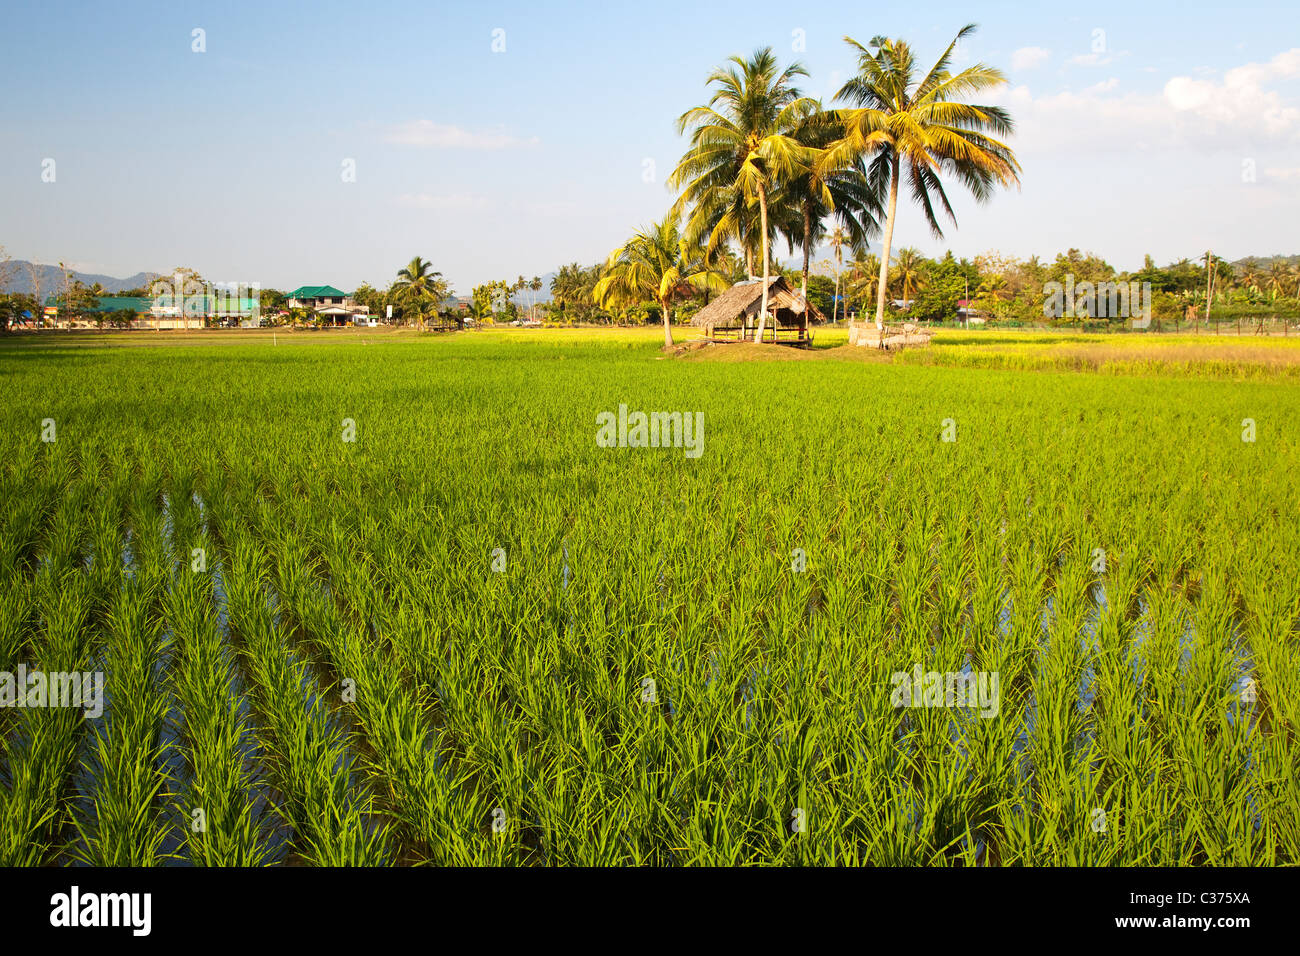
(1279, 277)
(907, 271)
(655, 264)
(864, 274)
(813, 194)
(535, 286)
(901, 122)
(566, 286)
(838, 239)
(1252, 275)
(744, 140)
(417, 284)
(722, 216)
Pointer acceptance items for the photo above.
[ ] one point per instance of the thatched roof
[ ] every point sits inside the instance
(745, 298)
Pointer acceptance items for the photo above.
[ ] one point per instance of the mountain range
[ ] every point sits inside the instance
(19, 275)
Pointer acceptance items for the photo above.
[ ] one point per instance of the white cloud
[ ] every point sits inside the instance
(453, 201)
(1028, 57)
(1208, 114)
(1090, 59)
(1239, 102)
(431, 135)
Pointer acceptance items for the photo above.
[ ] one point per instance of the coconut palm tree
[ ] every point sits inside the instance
(1279, 277)
(744, 140)
(417, 285)
(723, 216)
(918, 126)
(864, 274)
(535, 286)
(1251, 276)
(907, 272)
(803, 200)
(838, 239)
(655, 264)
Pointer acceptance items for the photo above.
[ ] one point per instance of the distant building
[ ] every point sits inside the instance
(967, 315)
(328, 303)
(161, 312)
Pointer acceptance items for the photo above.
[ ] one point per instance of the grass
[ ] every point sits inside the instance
(655, 676)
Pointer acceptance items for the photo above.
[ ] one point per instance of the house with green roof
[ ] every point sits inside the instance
(310, 296)
(328, 303)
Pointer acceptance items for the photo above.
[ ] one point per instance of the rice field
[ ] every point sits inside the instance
(387, 601)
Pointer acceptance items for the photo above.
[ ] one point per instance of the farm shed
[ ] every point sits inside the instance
(733, 316)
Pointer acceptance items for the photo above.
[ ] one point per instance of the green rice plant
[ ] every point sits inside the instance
(40, 751)
(216, 733)
(305, 749)
(673, 655)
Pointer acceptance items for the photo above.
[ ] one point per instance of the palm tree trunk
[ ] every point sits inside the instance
(668, 328)
(807, 249)
(836, 301)
(762, 222)
(884, 255)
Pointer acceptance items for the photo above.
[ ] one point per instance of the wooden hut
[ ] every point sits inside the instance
(733, 316)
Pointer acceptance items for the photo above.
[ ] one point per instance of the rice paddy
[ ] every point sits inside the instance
(386, 601)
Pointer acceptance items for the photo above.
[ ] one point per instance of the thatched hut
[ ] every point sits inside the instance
(733, 316)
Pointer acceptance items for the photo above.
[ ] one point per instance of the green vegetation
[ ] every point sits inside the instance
(317, 643)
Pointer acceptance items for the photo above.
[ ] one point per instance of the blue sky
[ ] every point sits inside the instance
(1175, 129)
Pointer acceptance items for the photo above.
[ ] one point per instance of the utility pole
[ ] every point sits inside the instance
(67, 296)
(1209, 284)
